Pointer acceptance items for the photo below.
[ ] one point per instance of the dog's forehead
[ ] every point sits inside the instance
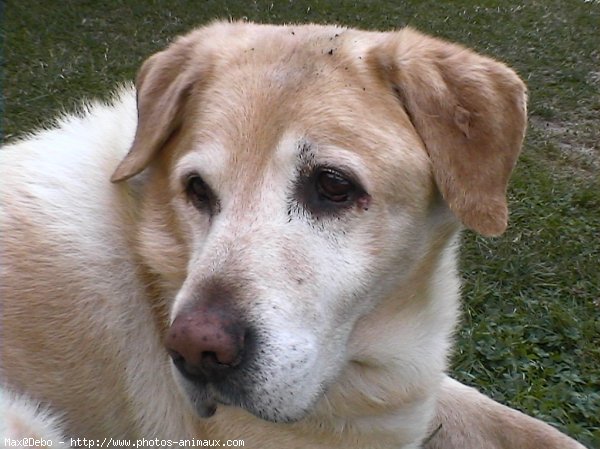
(277, 90)
(239, 41)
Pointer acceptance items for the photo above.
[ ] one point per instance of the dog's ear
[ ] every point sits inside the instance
(470, 112)
(163, 85)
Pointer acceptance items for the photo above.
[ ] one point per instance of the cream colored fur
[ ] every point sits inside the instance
(355, 310)
(21, 418)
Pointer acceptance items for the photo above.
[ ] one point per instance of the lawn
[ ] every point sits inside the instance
(530, 336)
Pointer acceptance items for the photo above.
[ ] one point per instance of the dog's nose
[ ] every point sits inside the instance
(205, 344)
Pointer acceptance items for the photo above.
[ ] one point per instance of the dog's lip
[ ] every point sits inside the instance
(206, 394)
(206, 397)
(202, 398)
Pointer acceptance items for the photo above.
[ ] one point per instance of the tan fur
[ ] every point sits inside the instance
(357, 310)
(450, 108)
(468, 420)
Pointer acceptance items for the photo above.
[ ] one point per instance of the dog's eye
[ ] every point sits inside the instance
(332, 186)
(198, 192)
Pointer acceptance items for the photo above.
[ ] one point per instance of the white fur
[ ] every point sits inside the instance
(21, 418)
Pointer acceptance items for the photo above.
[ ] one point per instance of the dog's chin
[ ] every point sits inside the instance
(203, 403)
(207, 398)
(275, 416)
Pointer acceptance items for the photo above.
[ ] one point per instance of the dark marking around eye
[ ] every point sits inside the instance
(200, 194)
(324, 191)
(305, 151)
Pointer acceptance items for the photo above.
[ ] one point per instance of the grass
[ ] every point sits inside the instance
(531, 330)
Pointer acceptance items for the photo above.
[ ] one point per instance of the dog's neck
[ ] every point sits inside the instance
(371, 380)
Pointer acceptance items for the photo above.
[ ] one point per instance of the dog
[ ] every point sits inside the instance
(262, 247)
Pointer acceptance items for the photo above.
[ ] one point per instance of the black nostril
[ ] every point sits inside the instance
(190, 371)
(181, 365)
(207, 369)
(208, 359)
(175, 356)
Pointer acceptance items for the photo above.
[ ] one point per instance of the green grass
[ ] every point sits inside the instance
(531, 330)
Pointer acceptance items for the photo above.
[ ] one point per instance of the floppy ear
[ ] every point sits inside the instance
(470, 112)
(163, 84)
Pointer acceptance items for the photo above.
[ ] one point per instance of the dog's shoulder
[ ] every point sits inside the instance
(59, 178)
(96, 134)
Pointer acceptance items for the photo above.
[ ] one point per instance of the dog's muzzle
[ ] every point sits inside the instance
(224, 356)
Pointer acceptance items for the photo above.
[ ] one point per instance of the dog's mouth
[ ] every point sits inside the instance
(206, 389)
(219, 360)
(220, 385)
(206, 396)
(203, 402)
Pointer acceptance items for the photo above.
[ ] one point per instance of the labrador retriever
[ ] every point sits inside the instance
(274, 260)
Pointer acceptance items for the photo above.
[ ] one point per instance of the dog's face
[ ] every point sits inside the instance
(293, 186)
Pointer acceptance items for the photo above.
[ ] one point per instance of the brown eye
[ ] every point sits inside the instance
(334, 187)
(198, 192)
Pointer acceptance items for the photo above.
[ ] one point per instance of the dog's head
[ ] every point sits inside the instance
(301, 179)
